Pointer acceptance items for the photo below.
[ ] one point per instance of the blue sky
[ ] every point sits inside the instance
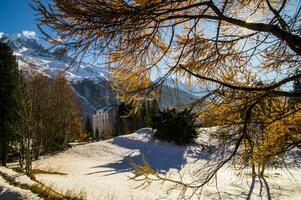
(16, 16)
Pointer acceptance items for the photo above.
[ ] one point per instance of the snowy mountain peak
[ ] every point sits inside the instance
(179, 85)
(25, 41)
(2, 35)
(28, 34)
(34, 58)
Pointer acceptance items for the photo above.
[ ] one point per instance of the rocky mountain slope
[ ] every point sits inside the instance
(92, 84)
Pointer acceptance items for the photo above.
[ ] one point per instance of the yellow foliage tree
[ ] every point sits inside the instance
(247, 51)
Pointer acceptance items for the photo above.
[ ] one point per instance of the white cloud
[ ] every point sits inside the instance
(29, 34)
(1, 34)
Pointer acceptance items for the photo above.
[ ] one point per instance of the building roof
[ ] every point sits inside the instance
(104, 109)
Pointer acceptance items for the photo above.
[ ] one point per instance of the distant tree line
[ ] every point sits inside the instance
(130, 117)
(171, 125)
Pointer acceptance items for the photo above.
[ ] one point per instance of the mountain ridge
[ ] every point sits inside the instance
(92, 84)
(33, 57)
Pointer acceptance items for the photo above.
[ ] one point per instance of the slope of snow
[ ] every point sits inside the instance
(9, 192)
(102, 170)
(22, 179)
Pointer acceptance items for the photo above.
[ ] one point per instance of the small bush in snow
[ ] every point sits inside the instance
(176, 126)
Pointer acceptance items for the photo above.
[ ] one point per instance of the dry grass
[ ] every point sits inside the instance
(44, 191)
(41, 171)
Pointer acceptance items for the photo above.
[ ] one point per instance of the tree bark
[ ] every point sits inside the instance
(4, 152)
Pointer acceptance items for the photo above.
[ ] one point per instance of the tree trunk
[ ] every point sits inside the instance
(262, 170)
(4, 152)
(22, 149)
(28, 161)
(253, 170)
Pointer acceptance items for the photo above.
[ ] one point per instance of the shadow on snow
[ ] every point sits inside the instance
(161, 156)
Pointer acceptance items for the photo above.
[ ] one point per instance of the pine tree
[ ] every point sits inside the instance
(122, 119)
(9, 81)
(145, 115)
(154, 109)
(97, 136)
(176, 126)
(88, 127)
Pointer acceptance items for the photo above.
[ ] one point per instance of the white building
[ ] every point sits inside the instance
(103, 121)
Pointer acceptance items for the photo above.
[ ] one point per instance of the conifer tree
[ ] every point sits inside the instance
(154, 107)
(88, 127)
(176, 126)
(128, 118)
(97, 134)
(9, 81)
(145, 115)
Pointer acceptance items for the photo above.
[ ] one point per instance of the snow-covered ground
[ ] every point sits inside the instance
(102, 171)
(9, 192)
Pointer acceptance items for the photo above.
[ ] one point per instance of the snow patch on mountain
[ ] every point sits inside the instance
(32, 58)
(177, 84)
(29, 34)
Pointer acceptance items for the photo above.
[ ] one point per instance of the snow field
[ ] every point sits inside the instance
(101, 170)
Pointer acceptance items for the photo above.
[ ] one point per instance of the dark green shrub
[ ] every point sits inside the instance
(176, 126)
